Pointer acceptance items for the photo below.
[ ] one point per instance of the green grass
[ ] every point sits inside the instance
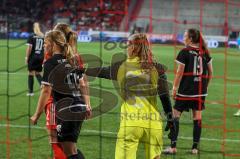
(98, 135)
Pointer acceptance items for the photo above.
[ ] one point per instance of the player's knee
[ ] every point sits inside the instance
(37, 73)
(69, 148)
(176, 113)
(31, 73)
(197, 115)
(197, 118)
(176, 119)
(52, 137)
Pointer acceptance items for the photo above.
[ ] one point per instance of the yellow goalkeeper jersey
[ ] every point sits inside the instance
(138, 90)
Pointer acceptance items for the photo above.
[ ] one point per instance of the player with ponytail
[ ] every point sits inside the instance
(34, 57)
(190, 85)
(64, 86)
(71, 38)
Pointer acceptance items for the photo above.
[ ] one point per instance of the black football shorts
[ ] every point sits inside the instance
(186, 103)
(35, 63)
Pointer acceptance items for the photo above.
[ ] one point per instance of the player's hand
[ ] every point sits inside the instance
(88, 112)
(170, 126)
(34, 119)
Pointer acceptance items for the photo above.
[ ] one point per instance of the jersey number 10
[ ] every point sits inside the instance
(39, 45)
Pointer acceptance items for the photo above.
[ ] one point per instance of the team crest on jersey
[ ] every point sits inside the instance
(59, 127)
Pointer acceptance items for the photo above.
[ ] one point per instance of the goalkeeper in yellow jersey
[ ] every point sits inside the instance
(140, 118)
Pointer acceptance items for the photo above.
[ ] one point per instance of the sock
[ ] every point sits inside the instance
(197, 129)
(80, 154)
(30, 84)
(39, 78)
(175, 135)
(58, 151)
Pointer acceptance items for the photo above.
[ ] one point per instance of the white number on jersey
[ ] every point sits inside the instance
(198, 66)
(39, 46)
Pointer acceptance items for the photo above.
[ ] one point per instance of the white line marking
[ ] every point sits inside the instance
(213, 83)
(15, 73)
(114, 133)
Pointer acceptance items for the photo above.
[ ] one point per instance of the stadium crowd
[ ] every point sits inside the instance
(81, 15)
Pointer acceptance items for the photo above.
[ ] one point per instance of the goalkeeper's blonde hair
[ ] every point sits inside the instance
(141, 48)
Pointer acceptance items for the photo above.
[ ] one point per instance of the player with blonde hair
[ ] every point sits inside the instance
(34, 57)
(64, 80)
(71, 38)
(140, 117)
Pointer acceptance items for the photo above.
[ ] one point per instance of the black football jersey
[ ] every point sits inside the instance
(37, 45)
(63, 78)
(195, 77)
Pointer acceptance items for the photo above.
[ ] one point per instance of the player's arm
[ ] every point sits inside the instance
(100, 72)
(177, 79)
(85, 93)
(45, 93)
(107, 72)
(28, 52)
(164, 95)
(163, 90)
(42, 101)
(87, 88)
(29, 48)
(210, 72)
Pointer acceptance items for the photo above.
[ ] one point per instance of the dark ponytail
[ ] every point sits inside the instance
(197, 38)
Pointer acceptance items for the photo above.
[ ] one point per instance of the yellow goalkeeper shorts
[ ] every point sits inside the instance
(129, 138)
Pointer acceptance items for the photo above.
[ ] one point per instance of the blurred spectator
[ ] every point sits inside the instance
(80, 14)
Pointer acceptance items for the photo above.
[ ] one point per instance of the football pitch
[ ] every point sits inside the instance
(98, 135)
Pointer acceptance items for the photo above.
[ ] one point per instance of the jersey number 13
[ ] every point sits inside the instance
(198, 66)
